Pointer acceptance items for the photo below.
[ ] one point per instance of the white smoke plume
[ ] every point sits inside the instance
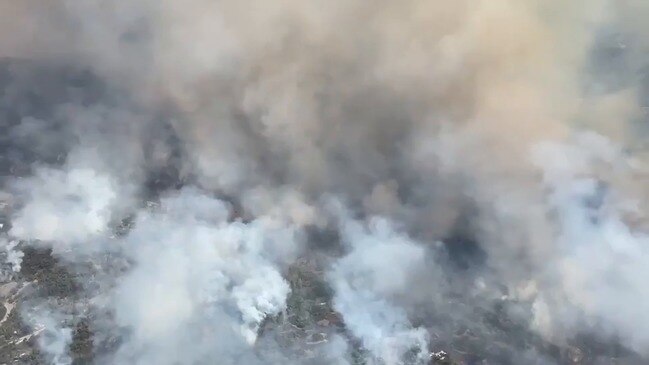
(11, 258)
(375, 272)
(214, 281)
(179, 157)
(53, 338)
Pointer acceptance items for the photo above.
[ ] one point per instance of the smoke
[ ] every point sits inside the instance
(215, 282)
(442, 160)
(376, 271)
(599, 255)
(11, 259)
(53, 338)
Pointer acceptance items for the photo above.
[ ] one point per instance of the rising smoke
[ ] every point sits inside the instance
(453, 155)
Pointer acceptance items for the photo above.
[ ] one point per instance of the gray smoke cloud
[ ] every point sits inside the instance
(441, 160)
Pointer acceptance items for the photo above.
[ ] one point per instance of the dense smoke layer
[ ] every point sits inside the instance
(436, 157)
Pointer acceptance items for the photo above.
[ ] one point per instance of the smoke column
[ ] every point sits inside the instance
(465, 176)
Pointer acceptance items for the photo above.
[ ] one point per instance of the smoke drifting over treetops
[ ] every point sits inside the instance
(478, 150)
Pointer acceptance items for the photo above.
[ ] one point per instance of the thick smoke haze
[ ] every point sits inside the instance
(440, 163)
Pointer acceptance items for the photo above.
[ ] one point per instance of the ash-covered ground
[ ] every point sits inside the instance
(309, 182)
